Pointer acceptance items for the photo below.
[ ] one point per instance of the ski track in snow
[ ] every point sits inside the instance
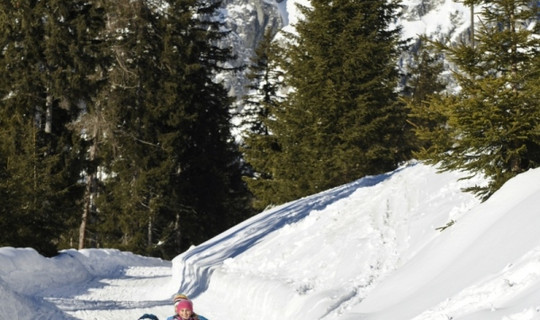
(139, 290)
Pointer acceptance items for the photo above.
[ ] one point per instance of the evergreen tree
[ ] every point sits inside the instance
(90, 60)
(425, 76)
(424, 82)
(210, 177)
(263, 86)
(137, 165)
(174, 177)
(491, 125)
(342, 120)
(41, 92)
(265, 82)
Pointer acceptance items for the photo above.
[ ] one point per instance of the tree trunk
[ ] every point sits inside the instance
(48, 114)
(88, 198)
(472, 25)
(149, 231)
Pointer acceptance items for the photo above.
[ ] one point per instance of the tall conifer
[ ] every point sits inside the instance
(41, 94)
(174, 176)
(491, 125)
(342, 120)
(210, 178)
(134, 160)
(265, 83)
(424, 82)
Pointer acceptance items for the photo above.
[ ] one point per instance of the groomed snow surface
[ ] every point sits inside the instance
(372, 249)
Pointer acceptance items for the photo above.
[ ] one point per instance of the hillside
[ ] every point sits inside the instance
(372, 249)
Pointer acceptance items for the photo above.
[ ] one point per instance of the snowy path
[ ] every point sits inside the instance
(136, 291)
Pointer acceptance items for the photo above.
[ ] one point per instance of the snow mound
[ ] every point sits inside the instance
(26, 277)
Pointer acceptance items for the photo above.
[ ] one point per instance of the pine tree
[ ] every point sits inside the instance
(491, 125)
(90, 60)
(263, 86)
(263, 95)
(342, 120)
(210, 179)
(135, 163)
(173, 171)
(425, 76)
(425, 82)
(41, 92)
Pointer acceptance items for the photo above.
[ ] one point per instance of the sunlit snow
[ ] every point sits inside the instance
(408, 244)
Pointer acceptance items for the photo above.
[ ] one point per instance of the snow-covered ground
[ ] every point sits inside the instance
(372, 249)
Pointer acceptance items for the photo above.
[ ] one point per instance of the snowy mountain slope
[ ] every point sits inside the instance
(489, 259)
(376, 254)
(332, 250)
(372, 249)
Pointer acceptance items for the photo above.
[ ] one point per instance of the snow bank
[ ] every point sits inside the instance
(478, 269)
(25, 276)
(316, 257)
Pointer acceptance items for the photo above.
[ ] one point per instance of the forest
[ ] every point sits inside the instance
(114, 132)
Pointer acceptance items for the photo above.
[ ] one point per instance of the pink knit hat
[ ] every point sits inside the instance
(184, 304)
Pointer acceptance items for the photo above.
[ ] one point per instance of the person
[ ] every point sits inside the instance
(183, 308)
(148, 316)
(179, 296)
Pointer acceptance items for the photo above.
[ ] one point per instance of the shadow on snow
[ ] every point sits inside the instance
(204, 258)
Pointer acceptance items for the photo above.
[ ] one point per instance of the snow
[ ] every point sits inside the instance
(447, 18)
(84, 284)
(371, 249)
(437, 19)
